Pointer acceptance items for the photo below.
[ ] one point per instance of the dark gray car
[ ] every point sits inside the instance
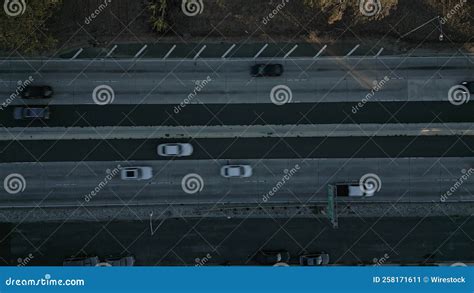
(317, 259)
(262, 70)
(37, 92)
(30, 113)
(81, 261)
(272, 257)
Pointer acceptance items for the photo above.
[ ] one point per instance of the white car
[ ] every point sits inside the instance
(469, 85)
(175, 149)
(136, 173)
(239, 171)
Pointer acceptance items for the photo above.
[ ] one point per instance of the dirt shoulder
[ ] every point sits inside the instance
(399, 24)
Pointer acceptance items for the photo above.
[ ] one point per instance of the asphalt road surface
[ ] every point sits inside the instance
(242, 114)
(239, 148)
(295, 181)
(171, 81)
(367, 241)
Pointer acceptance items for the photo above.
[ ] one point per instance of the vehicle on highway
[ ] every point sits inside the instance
(316, 259)
(469, 85)
(236, 171)
(351, 189)
(37, 92)
(136, 173)
(127, 261)
(272, 257)
(81, 261)
(23, 113)
(262, 70)
(175, 149)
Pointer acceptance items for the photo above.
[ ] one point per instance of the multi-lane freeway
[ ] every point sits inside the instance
(229, 82)
(342, 118)
(99, 183)
(239, 148)
(245, 114)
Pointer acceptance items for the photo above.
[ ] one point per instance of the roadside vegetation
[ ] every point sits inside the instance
(28, 33)
(316, 19)
(157, 9)
(336, 10)
(47, 23)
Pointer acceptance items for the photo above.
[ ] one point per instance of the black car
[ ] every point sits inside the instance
(127, 261)
(81, 261)
(469, 85)
(272, 257)
(317, 259)
(37, 92)
(261, 70)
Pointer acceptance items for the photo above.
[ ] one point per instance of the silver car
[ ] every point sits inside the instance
(175, 149)
(236, 171)
(136, 173)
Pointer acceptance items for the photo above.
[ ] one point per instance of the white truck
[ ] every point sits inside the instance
(351, 189)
